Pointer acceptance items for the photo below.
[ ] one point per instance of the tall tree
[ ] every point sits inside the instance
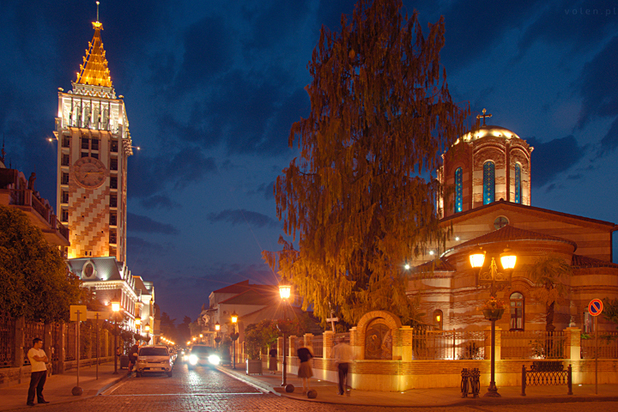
(34, 279)
(356, 199)
(550, 275)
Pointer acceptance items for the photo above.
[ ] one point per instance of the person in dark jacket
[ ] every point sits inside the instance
(304, 370)
(133, 357)
(272, 363)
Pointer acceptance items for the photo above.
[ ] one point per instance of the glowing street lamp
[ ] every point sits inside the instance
(284, 292)
(234, 337)
(147, 329)
(217, 337)
(115, 314)
(493, 276)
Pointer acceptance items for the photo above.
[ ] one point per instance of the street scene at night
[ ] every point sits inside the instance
(352, 205)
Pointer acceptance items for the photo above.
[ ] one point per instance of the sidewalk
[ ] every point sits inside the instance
(58, 387)
(438, 397)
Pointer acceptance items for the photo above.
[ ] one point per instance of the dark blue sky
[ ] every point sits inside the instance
(213, 87)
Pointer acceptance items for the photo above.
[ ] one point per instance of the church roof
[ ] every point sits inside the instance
(94, 69)
(512, 234)
(489, 131)
(589, 262)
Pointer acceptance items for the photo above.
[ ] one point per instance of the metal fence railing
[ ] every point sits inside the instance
(607, 343)
(448, 345)
(532, 345)
(7, 340)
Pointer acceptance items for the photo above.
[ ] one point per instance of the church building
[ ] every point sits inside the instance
(487, 208)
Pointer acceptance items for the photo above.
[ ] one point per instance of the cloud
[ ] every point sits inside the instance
(553, 157)
(473, 29)
(242, 216)
(159, 202)
(152, 175)
(144, 224)
(597, 86)
(610, 140)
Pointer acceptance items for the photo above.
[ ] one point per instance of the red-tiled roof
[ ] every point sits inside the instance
(436, 265)
(525, 208)
(512, 234)
(589, 262)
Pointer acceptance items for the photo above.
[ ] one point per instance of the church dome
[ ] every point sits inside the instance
(489, 131)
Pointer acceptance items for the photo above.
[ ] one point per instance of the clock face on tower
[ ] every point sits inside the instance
(89, 172)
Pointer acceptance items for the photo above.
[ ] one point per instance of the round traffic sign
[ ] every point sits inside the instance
(595, 307)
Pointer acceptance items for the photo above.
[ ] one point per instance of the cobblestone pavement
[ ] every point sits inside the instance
(210, 390)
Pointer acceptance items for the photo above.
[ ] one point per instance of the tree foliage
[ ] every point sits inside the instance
(550, 275)
(356, 199)
(34, 280)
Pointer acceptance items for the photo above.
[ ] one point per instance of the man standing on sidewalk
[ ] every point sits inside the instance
(38, 368)
(342, 352)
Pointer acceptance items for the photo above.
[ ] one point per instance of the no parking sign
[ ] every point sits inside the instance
(595, 307)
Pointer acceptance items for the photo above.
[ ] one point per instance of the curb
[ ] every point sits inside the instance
(257, 384)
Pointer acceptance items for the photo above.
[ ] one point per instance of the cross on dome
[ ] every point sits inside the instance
(488, 115)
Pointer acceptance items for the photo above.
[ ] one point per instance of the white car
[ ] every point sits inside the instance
(154, 358)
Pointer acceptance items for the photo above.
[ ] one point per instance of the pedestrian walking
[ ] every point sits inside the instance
(272, 364)
(344, 356)
(38, 368)
(304, 370)
(133, 357)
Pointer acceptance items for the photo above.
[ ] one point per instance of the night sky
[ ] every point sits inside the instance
(213, 87)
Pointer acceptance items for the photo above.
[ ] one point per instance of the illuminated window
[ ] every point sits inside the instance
(438, 319)
(517, 183)
(489, 182)
(517, 311)
(458, 190)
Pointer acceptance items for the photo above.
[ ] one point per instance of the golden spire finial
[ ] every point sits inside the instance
(97, 24)
(478, 116)
(98, 11)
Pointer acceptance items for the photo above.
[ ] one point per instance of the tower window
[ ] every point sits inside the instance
(65, 196)
(66, 141)
(458, 190)
(113, 164)
(113, 201)
(113, 182)
(85, 143)
(84, 154)
(65, 160)
(65, 215)
(112, 237)
(489, 182)
(517, 311)
(114, 146)
(112, 219)
(94, 155)
(95, 144)
(65, 178)
(517, 183)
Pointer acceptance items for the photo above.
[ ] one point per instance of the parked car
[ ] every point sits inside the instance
(202, 355)
(154, 358)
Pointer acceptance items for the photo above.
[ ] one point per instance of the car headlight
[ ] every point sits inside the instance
(214, 359)
(193, 359)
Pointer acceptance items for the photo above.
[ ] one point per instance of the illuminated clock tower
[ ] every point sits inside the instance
(94, 144)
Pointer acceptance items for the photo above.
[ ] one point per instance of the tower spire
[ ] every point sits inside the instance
(94, 70)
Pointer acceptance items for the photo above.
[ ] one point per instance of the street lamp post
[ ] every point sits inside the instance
(284, 292)
(234, 336)
(115, 313)
(493, 312)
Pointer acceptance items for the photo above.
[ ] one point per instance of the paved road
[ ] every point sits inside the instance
(211, 390)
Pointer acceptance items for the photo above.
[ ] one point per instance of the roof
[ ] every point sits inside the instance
(94, 70)
(244, 286)
(526, 209)
(589, 262)
(489, 131)
(106, 268)
(438, 265)
(512, 234)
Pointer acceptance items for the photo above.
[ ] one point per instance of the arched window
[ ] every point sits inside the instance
(517, 183)
(517, 311)
(458, 190)
(438, 319)
(489, 182)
